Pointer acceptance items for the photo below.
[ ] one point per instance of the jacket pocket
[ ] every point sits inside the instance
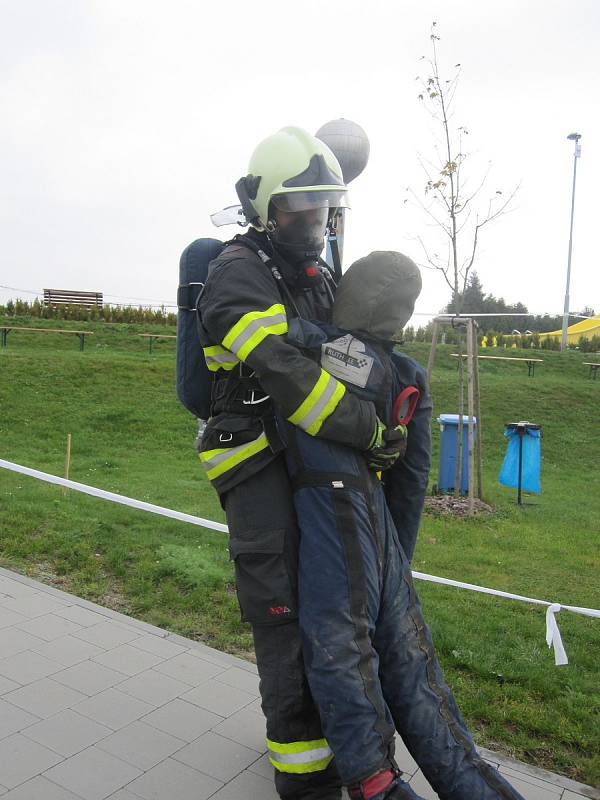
(263, 585)
(230, 431)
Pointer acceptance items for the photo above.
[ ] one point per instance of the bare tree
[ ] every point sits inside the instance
(458, 203)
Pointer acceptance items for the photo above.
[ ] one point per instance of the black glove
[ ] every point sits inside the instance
(387, 446)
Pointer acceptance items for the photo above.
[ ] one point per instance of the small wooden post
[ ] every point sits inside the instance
(67, 461)
(470, 411)
(434, 336)
(460, 455)
(478, 456)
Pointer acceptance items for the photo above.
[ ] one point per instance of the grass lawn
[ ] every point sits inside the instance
(131, 436)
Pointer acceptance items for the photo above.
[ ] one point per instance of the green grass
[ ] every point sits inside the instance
(131, 436)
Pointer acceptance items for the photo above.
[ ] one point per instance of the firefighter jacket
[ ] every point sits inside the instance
(245, 318)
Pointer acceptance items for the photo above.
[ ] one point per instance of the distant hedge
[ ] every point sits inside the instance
(21, 308)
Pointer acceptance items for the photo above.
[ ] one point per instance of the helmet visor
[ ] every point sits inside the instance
(305, 201)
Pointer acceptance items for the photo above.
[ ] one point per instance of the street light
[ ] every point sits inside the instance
(574, 137)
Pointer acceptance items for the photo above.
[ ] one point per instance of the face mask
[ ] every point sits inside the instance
(300, 233)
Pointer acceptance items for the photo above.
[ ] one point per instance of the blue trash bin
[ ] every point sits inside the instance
(448, 452)
(522, 463)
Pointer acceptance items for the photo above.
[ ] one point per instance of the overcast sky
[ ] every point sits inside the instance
(126, 123)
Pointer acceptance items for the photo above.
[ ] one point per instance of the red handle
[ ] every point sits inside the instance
(405, 405)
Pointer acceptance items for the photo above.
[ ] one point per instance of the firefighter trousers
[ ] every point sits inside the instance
(264, 547)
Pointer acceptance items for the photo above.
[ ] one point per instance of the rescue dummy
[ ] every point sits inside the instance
(368, 653)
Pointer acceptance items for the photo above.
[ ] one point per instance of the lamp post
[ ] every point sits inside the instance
(574, 137)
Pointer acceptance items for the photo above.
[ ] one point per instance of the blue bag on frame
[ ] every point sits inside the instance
(530, 475)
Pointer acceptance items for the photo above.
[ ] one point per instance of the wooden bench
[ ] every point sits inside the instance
(531, 362)
(69, 297)
(593, 368)
(5, 329)
(153, 336)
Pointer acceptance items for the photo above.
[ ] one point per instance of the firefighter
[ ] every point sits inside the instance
(261, 280)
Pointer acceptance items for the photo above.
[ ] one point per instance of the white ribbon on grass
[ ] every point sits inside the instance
(553, 637)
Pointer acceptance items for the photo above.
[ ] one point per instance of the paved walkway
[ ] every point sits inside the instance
(94, 705)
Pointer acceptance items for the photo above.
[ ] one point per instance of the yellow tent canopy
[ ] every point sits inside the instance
(586, 328)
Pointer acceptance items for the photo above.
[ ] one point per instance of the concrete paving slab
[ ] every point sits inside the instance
(244, 727)
(15, 641)
(183, 720)
(14, 719)
(93, 774)
(532, 792)
(6, 685)
(263, 767)
(239, 679)
(141, 745)
(39, 789)
(21, 759)
(8, 618)
(153, 687)
(133, 712)
(128, 660)
(44, 698)
(49, 627)
(27, 666)
(544, 786)
(188, 669)
(219, 698)
(68, 650)
(108, 634)
(218, 757)
(173, 779)
(89, 677)
(113, 708)
(247, 786)
(158, 647)
(67, 732)
(81, 616)
(33, 605)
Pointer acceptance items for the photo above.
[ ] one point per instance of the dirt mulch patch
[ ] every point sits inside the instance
(448, 505)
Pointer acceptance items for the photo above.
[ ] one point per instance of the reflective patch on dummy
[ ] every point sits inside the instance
(345, 358)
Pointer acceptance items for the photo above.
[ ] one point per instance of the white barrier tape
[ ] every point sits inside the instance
(112, 496)
(553, 637)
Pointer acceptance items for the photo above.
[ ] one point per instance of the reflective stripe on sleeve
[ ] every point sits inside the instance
(320, 403)
(300, 757)
(218, 357)
(219, 461)
(249, 331)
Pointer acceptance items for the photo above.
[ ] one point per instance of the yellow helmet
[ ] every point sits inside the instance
(296, 171)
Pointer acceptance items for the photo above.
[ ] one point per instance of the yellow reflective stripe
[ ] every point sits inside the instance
(302, 769)
(217, 357)
(250, 330)
(320, 403)
(223, 459)
(300, 757)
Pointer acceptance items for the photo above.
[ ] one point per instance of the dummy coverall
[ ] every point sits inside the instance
(369, 657)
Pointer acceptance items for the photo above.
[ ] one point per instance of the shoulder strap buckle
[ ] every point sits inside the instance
(253, 399)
